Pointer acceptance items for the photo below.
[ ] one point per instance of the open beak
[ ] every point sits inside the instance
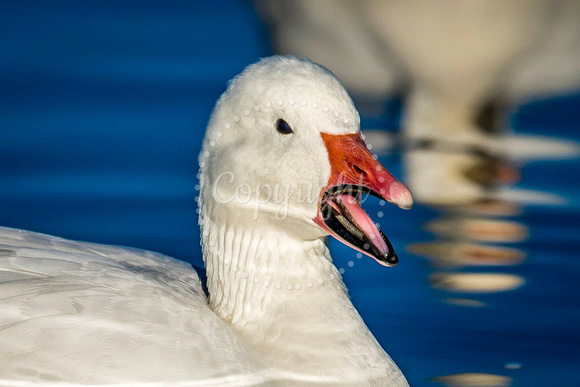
(354, 171)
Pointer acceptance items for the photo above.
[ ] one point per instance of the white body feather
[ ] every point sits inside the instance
(86, 313)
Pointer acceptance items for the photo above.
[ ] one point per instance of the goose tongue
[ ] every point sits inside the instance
(352, 210)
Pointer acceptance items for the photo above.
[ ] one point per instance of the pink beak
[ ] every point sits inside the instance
(354, 170)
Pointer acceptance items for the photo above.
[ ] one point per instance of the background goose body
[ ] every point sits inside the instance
(278, 312)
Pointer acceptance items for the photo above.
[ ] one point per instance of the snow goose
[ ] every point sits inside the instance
(282, 166)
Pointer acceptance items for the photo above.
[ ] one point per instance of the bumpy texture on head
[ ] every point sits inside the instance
(242, 142)
(288, 82)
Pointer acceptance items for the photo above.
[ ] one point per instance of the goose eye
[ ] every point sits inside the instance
(283, 127)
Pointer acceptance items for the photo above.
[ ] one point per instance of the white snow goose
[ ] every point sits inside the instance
(283, 165)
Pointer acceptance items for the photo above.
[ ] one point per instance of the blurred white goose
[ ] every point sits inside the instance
(281, 149)
(335, 34)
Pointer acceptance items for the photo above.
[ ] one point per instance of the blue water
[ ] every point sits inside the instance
(103, 106)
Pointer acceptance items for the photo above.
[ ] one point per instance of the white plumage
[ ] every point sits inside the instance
(278, 311)
(87, 313)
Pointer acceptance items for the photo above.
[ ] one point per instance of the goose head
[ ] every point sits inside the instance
(284, 150)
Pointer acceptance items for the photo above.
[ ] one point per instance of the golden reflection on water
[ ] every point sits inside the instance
(475, 282)
(474, 380)
(456, 254)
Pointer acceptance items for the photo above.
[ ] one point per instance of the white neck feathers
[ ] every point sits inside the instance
(286, 300)
(250, 268)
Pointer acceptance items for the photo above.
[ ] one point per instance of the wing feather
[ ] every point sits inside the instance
(85, 313)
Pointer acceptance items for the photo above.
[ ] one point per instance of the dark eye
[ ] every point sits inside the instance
(283, 127)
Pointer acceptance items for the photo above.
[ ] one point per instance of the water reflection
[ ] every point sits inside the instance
(474, 380)
(457, 254)
(474, 223)
(454, 178)
(460, 228)
(475, 217)
(475, 282)
(472, 179)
